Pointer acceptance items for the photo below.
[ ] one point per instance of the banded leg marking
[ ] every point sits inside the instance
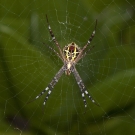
(53, 83)
(54, 39)
(81, 86)
(88, 42)
(50, 86)
(83, 96)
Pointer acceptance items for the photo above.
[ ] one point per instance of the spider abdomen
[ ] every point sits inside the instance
(71, 51)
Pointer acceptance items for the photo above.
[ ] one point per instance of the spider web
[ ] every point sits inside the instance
(28, 65)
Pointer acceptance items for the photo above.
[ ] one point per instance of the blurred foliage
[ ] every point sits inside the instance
(27, 66)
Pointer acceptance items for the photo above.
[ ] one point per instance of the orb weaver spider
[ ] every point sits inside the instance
(70, 55)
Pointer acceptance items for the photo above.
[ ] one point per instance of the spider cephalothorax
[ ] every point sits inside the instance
(70, 55)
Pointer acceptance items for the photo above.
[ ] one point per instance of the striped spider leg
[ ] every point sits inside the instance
(51, 85)
(82, 87)
(70, 55)
(54, 39)
(88, 42)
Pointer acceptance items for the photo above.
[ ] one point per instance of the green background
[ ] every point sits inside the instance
(27, 66)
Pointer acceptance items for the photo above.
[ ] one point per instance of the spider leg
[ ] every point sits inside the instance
(51, 85)
(88, 42)
(53, 82)
(83, 96)
(53, 38)
(84, 54)
(82, 87)
(78, 79)
(54, 51)
(91, 37)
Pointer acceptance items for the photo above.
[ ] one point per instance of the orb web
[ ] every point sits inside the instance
(28, 66)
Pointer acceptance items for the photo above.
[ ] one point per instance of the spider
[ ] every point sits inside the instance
(70, 55)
